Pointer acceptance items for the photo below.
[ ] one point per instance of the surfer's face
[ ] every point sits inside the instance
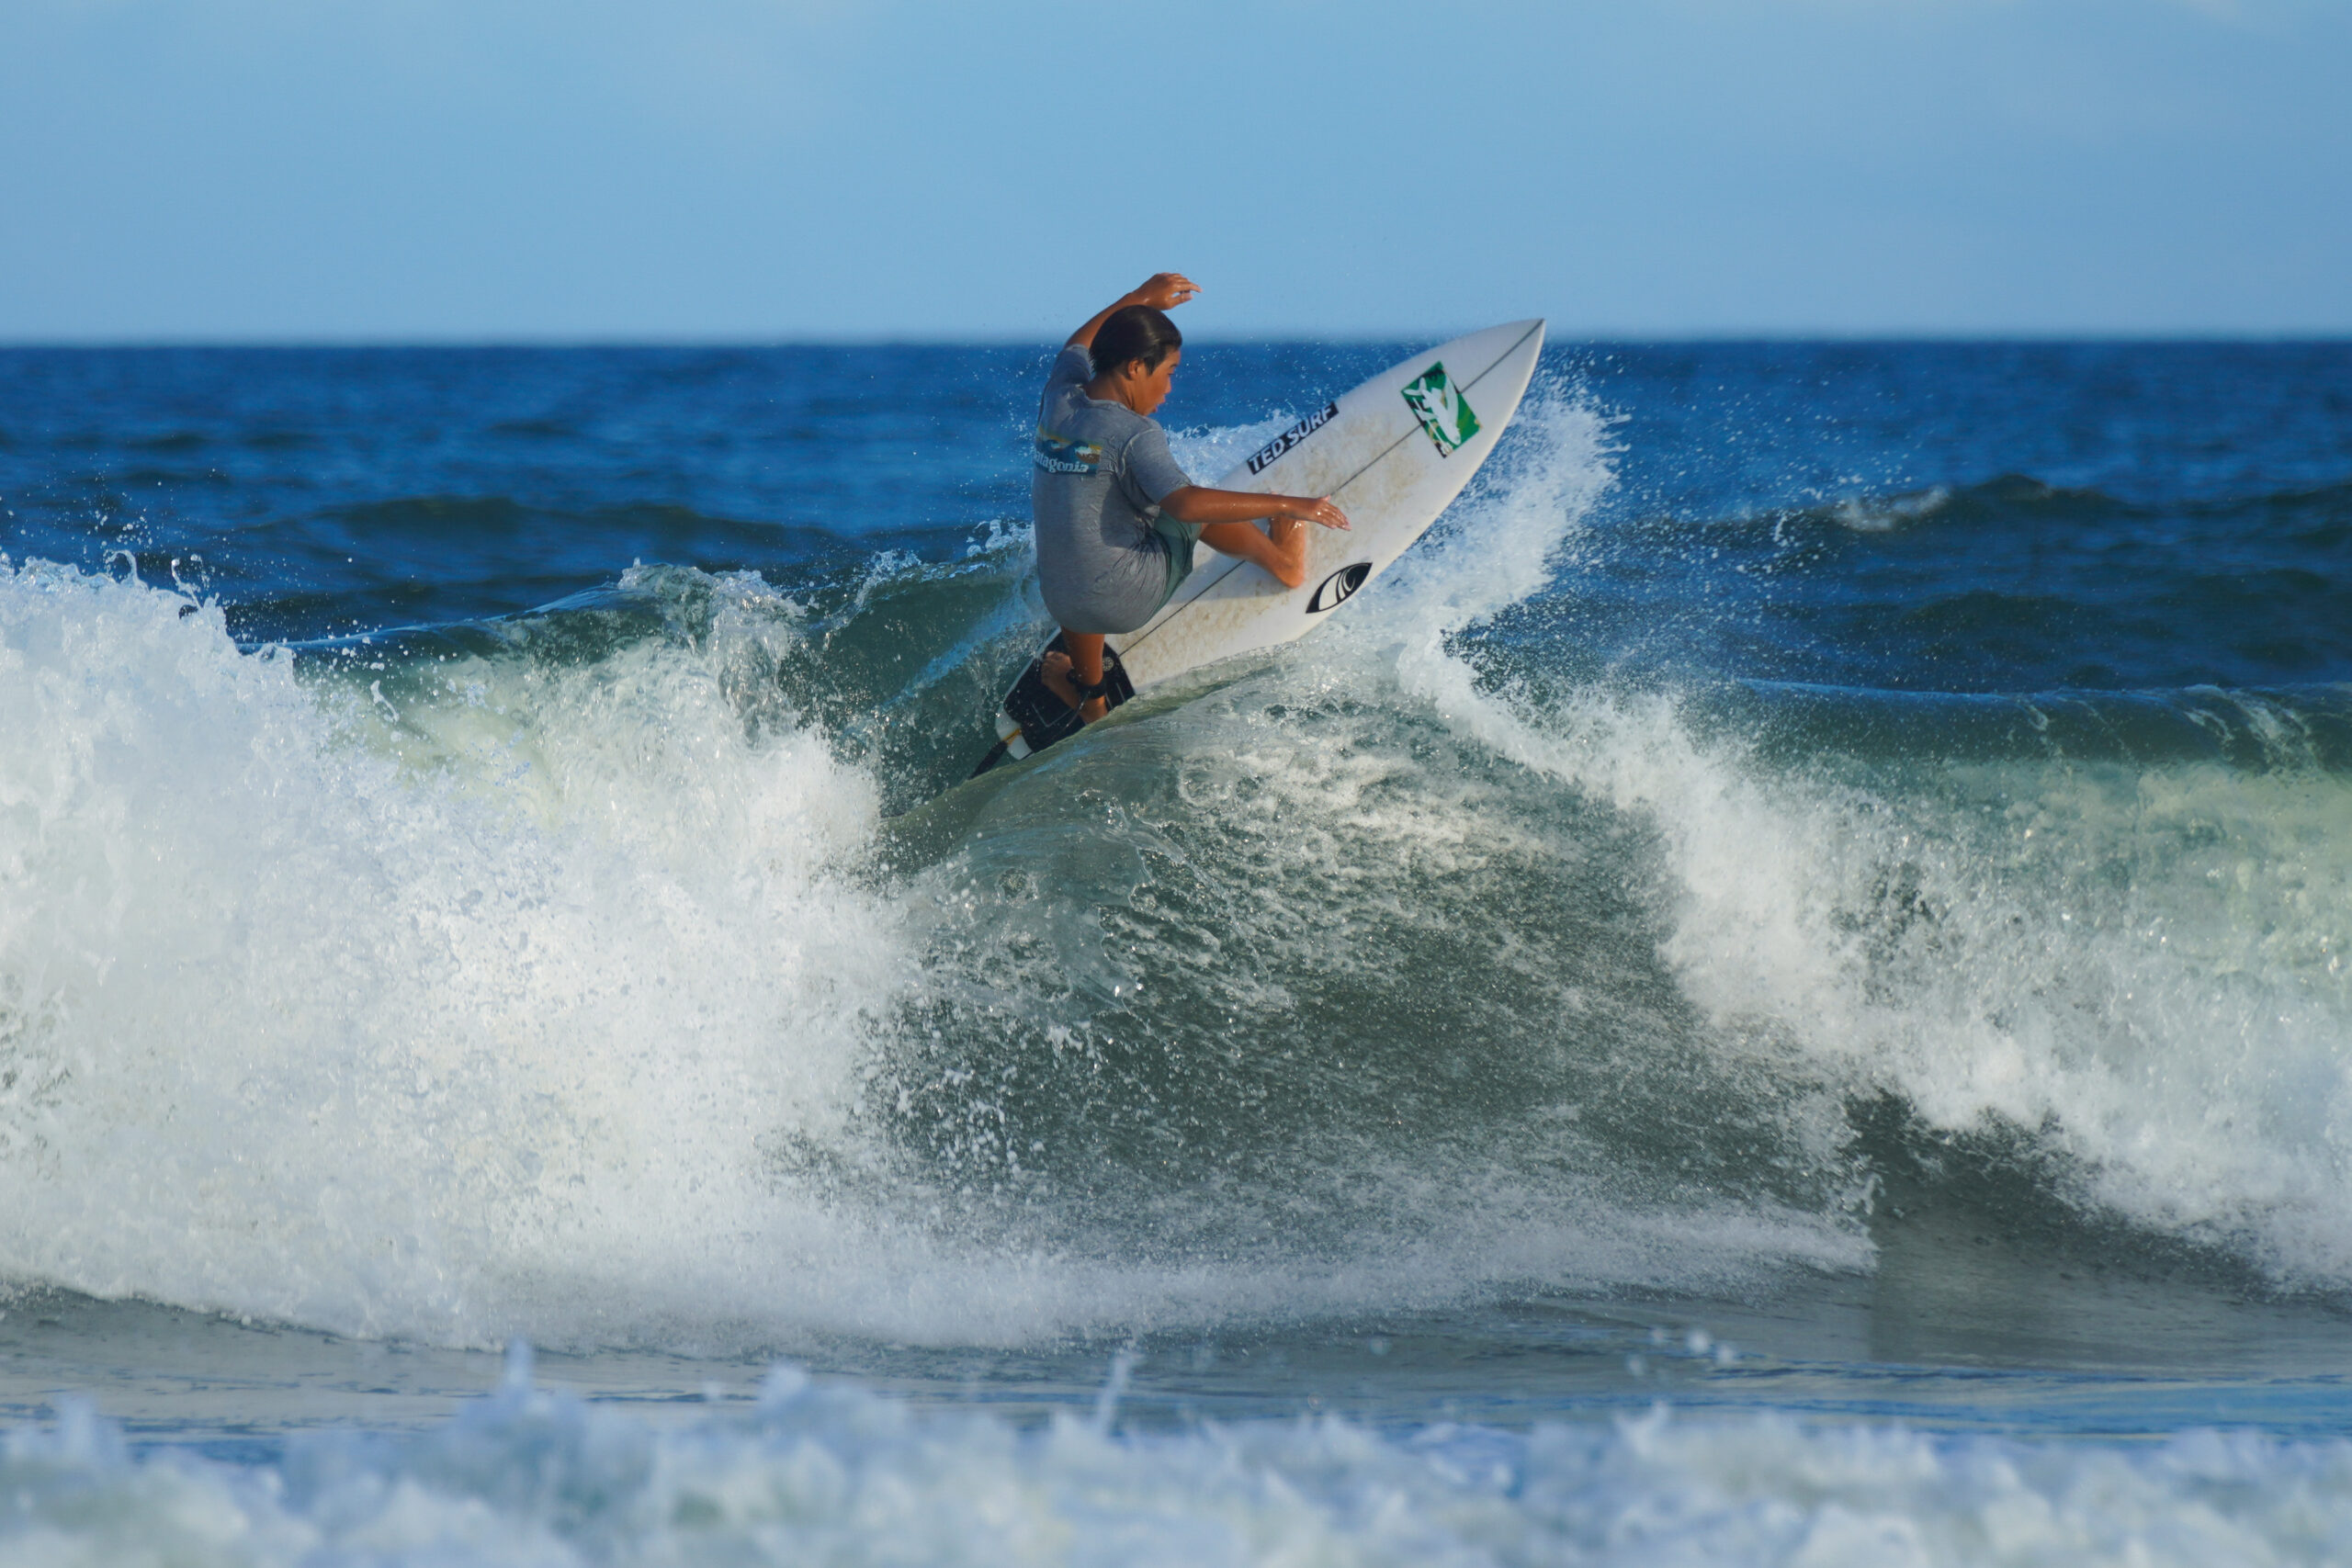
(1144, 390)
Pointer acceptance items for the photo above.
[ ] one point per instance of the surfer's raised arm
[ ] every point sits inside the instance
(1161, 291)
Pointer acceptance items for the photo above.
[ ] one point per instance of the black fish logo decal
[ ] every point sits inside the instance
(1339, 586)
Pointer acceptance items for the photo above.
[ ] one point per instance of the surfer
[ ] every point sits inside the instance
(1116, 518)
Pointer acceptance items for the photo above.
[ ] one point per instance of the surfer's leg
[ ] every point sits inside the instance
(1281, 548)
(1085, 656)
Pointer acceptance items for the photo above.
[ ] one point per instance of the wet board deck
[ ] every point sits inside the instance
(1393, 452)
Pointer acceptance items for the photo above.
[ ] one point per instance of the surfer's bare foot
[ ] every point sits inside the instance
(1054, 670)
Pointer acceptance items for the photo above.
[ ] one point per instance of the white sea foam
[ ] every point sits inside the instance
(1884, 515)
(295, 1028)
(2141, 968)
(495, 996)
(831, 1474)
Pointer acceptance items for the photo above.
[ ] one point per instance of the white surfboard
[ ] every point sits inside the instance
(1392, 452)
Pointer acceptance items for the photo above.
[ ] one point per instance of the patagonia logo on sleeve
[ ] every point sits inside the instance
(1059, 455)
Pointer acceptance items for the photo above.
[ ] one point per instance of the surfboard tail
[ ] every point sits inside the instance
(1037, 718)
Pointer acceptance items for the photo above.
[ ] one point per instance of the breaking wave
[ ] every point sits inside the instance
(632, 972)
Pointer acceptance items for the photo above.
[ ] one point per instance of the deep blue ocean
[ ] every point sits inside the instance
(1776, 992)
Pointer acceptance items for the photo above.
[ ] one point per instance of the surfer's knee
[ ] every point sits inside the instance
(1288, 538)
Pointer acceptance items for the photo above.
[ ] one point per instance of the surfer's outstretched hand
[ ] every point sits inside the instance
(1318, 510)
(1163, 292)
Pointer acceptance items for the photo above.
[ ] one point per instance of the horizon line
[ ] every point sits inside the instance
(1557, 338)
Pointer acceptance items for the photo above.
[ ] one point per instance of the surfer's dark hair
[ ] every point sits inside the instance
(1134, 332)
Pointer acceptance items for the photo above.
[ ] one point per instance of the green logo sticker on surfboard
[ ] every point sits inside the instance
(1437, 403)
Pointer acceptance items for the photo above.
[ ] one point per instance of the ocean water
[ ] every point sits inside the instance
(1776, 992)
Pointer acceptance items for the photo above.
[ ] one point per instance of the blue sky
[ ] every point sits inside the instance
(790, 169)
